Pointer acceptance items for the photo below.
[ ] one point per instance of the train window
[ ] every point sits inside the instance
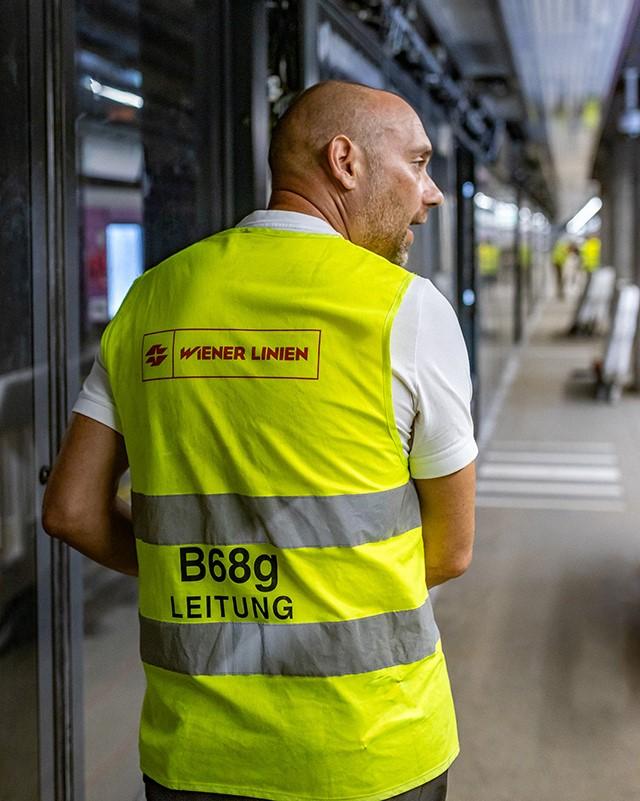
(439, 256)
(496, 218)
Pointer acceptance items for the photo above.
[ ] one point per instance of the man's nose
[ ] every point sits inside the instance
(432, 194)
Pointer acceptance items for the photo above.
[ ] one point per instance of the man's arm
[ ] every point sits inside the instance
(447, 507)
(80, 504)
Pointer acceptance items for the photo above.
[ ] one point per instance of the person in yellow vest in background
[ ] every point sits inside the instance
(488, 260)
(558, 258)
(293, 406)
(590, 253)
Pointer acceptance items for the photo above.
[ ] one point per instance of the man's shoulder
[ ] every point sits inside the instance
(188, 255)
(425, 324)
(423, 297)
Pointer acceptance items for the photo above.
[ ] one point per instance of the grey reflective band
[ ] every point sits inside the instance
(290, 649)
(284, 521)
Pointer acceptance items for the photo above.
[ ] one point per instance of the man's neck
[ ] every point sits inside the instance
(284, 200)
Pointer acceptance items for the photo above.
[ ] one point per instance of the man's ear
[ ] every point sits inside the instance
(343, 160)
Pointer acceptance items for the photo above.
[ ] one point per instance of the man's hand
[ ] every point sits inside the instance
(80, 505)
(447, 507)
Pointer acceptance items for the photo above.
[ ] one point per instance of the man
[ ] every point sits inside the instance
(280, 391)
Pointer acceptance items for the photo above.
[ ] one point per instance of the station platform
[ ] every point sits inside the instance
(542, 634)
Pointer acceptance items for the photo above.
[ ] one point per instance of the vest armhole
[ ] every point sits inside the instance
(386, 368)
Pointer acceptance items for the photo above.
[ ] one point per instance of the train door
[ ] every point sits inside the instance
(38, 695)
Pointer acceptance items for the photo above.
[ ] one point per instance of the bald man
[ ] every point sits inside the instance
(285, 532)
(370, 181)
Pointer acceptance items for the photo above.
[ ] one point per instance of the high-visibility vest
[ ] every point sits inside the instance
(560, 252)
(287, 636)
(590, 253)
(488, 259)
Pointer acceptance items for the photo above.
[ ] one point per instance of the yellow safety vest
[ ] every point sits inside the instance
(287, 636)
(591, 254)
(560, 252)
(488, 259)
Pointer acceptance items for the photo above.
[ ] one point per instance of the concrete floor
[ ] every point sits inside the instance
(113, 688)
(18, 724)
(542, 635)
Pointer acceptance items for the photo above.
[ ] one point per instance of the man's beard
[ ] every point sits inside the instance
(386, 233)
(400, 255)
(393, 245)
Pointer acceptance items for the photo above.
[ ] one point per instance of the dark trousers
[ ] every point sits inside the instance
(435, 790)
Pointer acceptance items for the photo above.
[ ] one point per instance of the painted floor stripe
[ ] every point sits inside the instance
(566, 354)
(548, 472)
(555, 488)
(539, 457)
(554, 445)
(549, 504)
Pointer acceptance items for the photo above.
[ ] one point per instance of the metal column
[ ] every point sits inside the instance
(246, 109)
(518, 296)
(466, 293)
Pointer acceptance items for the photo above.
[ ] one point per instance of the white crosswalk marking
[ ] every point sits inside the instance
(549, 472)
(549, 488)
(555, 445)
(551, 504)
(547, 457)
(569, 476)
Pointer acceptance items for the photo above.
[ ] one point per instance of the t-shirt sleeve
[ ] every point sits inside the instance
(443, 440)
(96, 399)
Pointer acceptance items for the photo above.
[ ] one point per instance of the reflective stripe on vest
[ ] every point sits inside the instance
(306, 649)
(286, 631)
(289, 522)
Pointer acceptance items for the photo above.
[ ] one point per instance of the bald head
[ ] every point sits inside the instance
(356, 157)
(329, 109)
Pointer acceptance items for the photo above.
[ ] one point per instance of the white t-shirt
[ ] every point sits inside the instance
(430, 370)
